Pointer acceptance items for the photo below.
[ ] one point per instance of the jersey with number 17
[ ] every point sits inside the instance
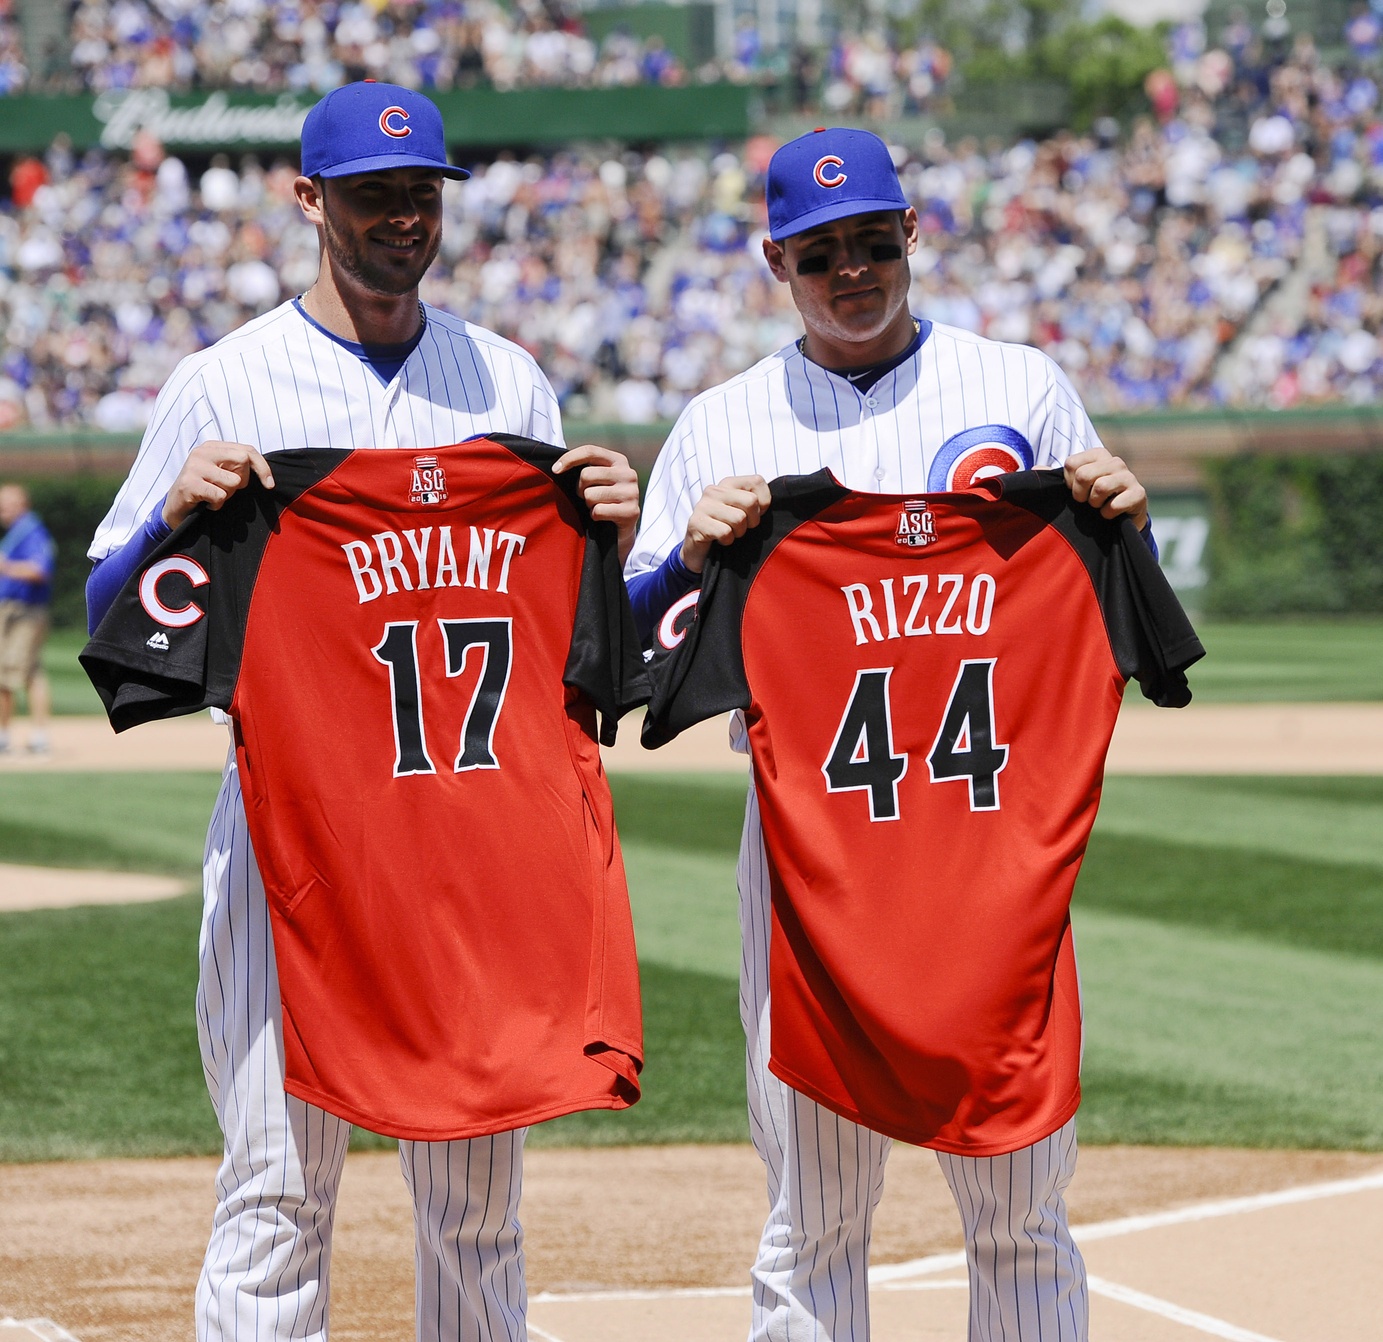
(930, 684)
(413, 648)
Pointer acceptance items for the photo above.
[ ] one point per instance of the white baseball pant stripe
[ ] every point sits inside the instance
(826, 1175)
(266, 1273)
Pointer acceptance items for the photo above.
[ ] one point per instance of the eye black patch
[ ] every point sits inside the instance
(812, 265)
(885, 251)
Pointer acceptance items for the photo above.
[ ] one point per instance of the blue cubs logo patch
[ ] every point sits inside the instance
(975, 454)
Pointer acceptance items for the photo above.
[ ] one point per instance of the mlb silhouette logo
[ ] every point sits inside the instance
(429, 481)
(916, 525)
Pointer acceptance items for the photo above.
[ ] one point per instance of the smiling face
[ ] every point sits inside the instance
(849, 280)
(381, 230)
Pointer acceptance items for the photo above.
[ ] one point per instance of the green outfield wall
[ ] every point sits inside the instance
(477, 118)
(1169, 449)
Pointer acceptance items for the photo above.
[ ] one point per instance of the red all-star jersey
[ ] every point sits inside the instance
(930, 684)
(413, 648)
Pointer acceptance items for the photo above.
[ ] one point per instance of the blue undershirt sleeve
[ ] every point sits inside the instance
(651, 594)
(110, 574)
(1150, 540)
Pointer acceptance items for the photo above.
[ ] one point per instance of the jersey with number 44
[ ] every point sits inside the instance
(930, 684)
(413, 648)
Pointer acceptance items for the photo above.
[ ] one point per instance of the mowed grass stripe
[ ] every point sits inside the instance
(1341, 822)
(1282, 660)
(126, 821)
(1232, 997)
(1264, 1045)
(99, 1055)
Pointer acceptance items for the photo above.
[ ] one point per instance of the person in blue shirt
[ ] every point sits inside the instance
(26, 587)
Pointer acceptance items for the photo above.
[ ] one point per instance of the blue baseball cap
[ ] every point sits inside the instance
(369, 127)
(829, 174)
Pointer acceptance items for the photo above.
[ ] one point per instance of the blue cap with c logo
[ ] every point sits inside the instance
(369, 127)
(829, 174)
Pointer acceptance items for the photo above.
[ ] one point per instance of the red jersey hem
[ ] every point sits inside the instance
(918, 1138)
(414, 1134)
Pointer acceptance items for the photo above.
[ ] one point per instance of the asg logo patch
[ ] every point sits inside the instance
(392, 121)
(172, 617)
(429, 481)
(916, 524)
(828, 171)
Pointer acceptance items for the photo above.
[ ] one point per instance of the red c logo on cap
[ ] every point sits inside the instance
(823, 165)
(398, 132)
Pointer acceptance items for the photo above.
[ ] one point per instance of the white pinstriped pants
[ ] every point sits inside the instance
(826, 1174)
(267, 1267)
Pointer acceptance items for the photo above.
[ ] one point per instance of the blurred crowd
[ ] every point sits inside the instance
(272, 45)
(1223, 251)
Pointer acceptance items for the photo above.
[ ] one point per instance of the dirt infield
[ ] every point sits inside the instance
(654, 1242)
(59, 888)
(1203, 738)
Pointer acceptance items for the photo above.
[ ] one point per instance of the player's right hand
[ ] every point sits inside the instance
(722, 515)
(213, 472)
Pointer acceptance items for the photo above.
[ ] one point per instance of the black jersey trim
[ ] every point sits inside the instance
(198, 666)
(721, 684)
(605, 660)
(1149, 634)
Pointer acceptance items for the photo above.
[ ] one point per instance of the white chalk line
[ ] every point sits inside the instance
(1129, 1225)
(535, 1331)
(899, 1276)
(1191, 1318)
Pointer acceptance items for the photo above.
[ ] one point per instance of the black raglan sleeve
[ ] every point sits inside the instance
(1151, 637)
(171, 641)
(697, 658)
(605, 661)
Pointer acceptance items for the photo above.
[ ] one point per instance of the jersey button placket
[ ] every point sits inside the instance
(869, 423)
(388, 436)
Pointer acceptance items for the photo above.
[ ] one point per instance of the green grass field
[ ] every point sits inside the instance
(1230, 934)
(1248, 661)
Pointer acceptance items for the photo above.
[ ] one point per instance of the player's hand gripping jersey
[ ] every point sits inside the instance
(930, 685)
(413, 649)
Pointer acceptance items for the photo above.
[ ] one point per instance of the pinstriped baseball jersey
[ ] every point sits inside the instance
(278, 383)
(961, 408)
(265, 385)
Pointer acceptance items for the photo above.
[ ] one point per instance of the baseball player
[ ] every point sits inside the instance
(889, 403)
(356, 362)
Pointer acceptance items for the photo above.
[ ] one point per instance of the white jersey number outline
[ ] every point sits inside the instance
(398, 650)
(862, 756)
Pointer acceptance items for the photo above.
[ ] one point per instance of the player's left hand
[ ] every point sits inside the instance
(610, 488)
(1102, 480)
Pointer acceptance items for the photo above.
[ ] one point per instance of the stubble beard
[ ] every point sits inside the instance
(348, 255)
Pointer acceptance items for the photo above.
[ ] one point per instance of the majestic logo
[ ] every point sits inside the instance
(916, 524)
(827, 171)
(388, 117)
(975, 454)
(429, 481)
(681, 615)
(173, 617)
(158, 642)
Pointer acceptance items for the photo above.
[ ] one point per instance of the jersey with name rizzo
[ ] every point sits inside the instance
(413, 648)
(930, 684)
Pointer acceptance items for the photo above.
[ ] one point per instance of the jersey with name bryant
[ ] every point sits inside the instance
(930, 685)
(414, 648)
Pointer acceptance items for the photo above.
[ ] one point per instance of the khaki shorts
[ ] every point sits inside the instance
(23, 629)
